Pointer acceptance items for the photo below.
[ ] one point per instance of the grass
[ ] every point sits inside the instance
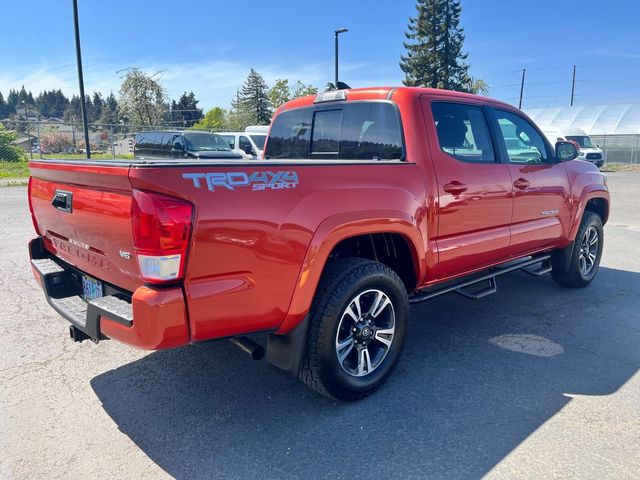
(621, 167)
(14, 169)
(21, 169)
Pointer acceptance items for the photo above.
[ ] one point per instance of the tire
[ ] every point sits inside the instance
(334, 363)
(581, 267)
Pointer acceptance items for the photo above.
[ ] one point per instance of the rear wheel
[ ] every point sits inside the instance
(582, 266)
(357, 327)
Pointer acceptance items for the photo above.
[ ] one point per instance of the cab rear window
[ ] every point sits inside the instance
(350, 131)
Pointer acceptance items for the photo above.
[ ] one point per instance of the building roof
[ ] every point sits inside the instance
(613, 119)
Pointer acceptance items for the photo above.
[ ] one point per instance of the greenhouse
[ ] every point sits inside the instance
(615, 127)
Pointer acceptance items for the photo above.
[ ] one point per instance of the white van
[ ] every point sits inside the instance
(249, 144)
(589, 151)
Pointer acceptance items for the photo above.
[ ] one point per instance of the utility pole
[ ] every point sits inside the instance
(73, 133)
(573, 85)
(26, 120)
(524, 71)
(38, 133)
(83, 107)
(336, 33)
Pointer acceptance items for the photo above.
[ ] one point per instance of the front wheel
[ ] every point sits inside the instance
(585, 254)
(357, 326)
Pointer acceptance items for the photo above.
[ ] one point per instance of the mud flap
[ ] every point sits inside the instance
(285, 351)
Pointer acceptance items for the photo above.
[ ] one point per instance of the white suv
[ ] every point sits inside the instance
(248, 144)
(589, 151)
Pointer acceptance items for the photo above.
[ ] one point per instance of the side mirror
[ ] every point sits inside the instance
(566, 151)
(178, 147)
(248, 149)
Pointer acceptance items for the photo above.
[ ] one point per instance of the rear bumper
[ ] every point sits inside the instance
(149, 318)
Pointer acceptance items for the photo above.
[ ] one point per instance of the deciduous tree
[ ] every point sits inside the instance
(142, 98)
(213, 120)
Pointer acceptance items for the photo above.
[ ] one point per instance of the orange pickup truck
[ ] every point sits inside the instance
(366, 201)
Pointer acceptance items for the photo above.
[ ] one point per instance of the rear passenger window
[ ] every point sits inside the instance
(463, 132)
(350, 131)
(326, 132)
(371, 131)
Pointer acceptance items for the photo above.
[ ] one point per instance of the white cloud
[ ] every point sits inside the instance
(213, 82)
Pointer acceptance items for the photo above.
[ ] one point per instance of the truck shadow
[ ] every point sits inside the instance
(476, 379)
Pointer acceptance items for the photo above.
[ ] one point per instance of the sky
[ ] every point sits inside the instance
(208, 47)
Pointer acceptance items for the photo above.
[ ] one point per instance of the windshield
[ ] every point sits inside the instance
(206, 142)
(582, 140)
(259, 140)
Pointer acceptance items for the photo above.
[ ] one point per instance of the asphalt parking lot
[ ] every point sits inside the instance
(532, 382)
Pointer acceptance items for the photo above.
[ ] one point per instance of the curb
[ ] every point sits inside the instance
(13, 182)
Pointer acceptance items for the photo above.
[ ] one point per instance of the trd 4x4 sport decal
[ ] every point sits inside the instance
(257, 180)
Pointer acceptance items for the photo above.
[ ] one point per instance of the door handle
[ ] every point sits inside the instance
(62, 201)
(522, 183)
(455, 187)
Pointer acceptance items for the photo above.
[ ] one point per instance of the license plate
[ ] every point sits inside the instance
(91, 288)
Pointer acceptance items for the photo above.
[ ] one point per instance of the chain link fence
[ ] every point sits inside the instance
(619, 148)
(22, 139)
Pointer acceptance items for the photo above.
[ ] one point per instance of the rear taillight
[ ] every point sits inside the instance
(33, 217)
(161, 232)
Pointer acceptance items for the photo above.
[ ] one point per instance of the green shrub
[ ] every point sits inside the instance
(8, 151)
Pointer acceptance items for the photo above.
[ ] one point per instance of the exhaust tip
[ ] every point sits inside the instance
(248, 346)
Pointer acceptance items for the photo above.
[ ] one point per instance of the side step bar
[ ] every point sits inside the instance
(487, 281)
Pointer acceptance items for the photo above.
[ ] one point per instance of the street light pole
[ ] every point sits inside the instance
(26, 122)
(83, 107)
(336, 33)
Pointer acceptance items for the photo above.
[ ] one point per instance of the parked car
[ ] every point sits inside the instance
(588, 151)
(249, 144)
(369, 200)
(181, 145)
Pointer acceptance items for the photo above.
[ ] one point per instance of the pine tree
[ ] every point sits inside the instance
(12, 101)
(434, 56)
(72, 112)
(3, 107)
(254, 99)
(23, 96)
(43, 104)
(109, 113)
(185, 111)
(98, 105)
(88, 105)
(59, 104)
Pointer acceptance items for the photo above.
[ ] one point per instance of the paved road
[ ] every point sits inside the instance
(532, 382)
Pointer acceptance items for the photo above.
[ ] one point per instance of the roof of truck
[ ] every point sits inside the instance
(387, 93)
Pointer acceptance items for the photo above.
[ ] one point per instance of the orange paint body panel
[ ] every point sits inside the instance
(160, 320)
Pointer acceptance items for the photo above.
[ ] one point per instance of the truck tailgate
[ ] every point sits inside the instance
(83, 213)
